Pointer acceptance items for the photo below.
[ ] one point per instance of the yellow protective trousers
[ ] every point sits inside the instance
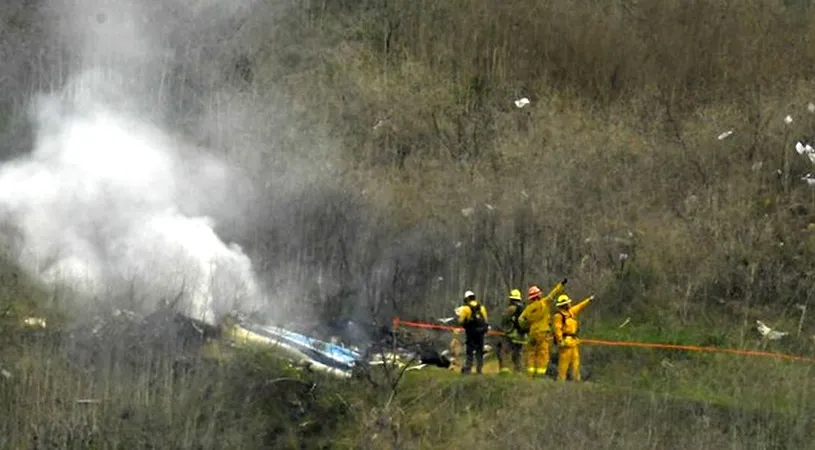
(568, 357)
(537, 353)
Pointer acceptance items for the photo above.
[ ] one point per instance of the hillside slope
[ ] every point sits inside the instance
(154, 394)
(391, 162)
(388, 169)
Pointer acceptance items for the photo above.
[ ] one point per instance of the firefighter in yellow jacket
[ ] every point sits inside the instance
(566, 327)
(512, 339)
(536, 318)
(472, 315)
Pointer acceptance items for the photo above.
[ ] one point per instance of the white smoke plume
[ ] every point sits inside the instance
(107, 202)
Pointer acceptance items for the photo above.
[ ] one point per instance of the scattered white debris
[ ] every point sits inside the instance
(380, 123)
(88, 401)
(626, 322)
(804, 149)
(439, 278)
(521, 102)
(768, 332)
(458, 244)
(725, 135)
(757, 166)
(467, 212)
(810, 179)
(394, 359)
(622, 257)
(788, 120)
(446, 320)
(6, 374)
(811, 107)
(35, 322)
(490, 207)
(524, 194)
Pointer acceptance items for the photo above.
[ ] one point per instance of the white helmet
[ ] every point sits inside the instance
(469, 294)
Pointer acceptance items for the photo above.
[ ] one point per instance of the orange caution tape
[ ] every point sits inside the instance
(692, 348)
(430, 326)
(695, 348)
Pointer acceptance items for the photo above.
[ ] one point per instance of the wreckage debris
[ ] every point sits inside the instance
(521, 102)
(319, 355)
(35, 322)
(169, 333)
(768, 333)
(725, 135)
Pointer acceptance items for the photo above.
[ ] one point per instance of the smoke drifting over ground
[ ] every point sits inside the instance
(108, 203)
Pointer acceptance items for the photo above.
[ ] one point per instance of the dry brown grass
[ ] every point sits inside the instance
(517, 412)
(249, 400)
(627, 101)
(143, 398)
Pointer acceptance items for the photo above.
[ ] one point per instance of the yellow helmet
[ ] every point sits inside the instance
(563, 300)
(515, 294)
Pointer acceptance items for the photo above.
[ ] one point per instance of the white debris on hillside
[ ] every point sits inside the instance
(725, 135)
(35, 322)
(521, 102)
(768, 332)
(802, 148)
(809, 152)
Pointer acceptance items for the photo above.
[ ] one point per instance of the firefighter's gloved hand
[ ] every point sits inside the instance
(565, 280)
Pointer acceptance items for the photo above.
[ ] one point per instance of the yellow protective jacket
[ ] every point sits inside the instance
(465, 313)
(566, 324)
(537, 316)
